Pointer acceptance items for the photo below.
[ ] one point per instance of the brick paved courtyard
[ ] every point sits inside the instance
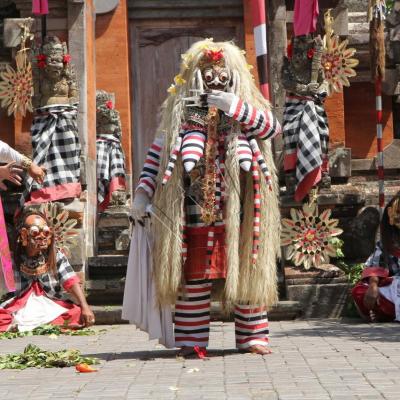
(311, 360)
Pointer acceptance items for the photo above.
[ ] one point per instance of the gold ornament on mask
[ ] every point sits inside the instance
(211, 58)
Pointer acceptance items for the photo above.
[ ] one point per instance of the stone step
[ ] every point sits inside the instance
(106, 290)
(357, 16)
(358, 27)
(107, 266)
(321, 293)
(285, 310)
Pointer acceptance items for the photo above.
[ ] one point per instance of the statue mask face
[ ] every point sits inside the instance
(301, 46)
(216, 77)
(36, 235)
(54, 62)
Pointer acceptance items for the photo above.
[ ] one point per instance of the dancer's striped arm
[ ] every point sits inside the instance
(256, 122)
(147, 179)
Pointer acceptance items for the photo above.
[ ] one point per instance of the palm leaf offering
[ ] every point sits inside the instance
(308, 236)
(337, 60)
(16, 85)
(63, 227)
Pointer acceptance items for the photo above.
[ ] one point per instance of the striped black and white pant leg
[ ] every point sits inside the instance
(192, 314)
(251, 326)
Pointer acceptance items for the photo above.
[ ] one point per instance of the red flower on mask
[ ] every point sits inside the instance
(310, 53)
(41, 61)
(213, 56)
(109, 105)
(66, 59)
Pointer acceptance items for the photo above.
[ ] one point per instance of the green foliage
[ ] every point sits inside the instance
(34, 356)
(50, 330)
(354, 270)
(389, 6)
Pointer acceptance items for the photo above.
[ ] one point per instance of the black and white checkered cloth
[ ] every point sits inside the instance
(51, 284)
(110, 163)
(378, 259)
(56, 146)
(306, 133)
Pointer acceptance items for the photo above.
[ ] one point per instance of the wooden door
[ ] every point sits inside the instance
(156, 48)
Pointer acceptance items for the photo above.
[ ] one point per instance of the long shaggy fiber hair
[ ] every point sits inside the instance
(246, 283)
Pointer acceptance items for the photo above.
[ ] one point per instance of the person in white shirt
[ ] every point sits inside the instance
(15, 164)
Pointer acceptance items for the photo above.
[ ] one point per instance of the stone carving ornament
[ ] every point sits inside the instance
(55, 138)
(54, 76)
(111, 187)
(305, 124)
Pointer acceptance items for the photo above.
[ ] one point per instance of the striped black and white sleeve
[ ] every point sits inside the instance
(256, 122)
(147, 179)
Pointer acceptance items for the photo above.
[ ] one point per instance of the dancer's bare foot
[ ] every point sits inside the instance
(258, 349)
(187, 351)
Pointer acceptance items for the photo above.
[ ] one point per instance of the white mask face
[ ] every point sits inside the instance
(216, 78)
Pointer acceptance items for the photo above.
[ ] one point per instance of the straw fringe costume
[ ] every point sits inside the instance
(240, 242)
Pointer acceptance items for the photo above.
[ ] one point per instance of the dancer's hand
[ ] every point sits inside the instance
(37, 173)
(221, 100)
(11, 173)
(313, 87)
(87, 316)
(371, 296)
(139, 204)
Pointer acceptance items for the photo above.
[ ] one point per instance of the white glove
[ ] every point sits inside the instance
(139, 205)
(221, 100)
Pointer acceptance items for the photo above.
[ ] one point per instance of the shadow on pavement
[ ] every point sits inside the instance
(151, 355)
(353, 329)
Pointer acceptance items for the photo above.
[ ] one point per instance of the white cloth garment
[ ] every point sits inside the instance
(38, 310)
(8, 154)
(392, 293)
(140, 305)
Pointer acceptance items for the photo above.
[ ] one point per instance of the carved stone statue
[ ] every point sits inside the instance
(55, 139)
(393, 44)
(54, 80)
(301, 73)
(305, 125)
(111, 189)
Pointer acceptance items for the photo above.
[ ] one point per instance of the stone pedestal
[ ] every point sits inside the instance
(113, 231)
(321, 294)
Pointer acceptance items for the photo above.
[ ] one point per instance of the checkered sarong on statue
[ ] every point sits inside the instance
(110, 163)
(305, 134)
(56, 146)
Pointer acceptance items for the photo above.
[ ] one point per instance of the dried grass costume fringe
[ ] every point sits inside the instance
(246, 283)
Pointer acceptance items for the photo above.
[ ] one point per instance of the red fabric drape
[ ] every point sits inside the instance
(40, 7)
(305, 17)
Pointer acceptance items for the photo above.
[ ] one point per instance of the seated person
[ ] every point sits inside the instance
(377, 296)
(42, 276)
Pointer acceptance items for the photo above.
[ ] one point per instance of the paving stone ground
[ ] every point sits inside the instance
(313, 360)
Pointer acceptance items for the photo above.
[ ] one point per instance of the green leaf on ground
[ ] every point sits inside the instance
(34, 356)
(51, 330)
